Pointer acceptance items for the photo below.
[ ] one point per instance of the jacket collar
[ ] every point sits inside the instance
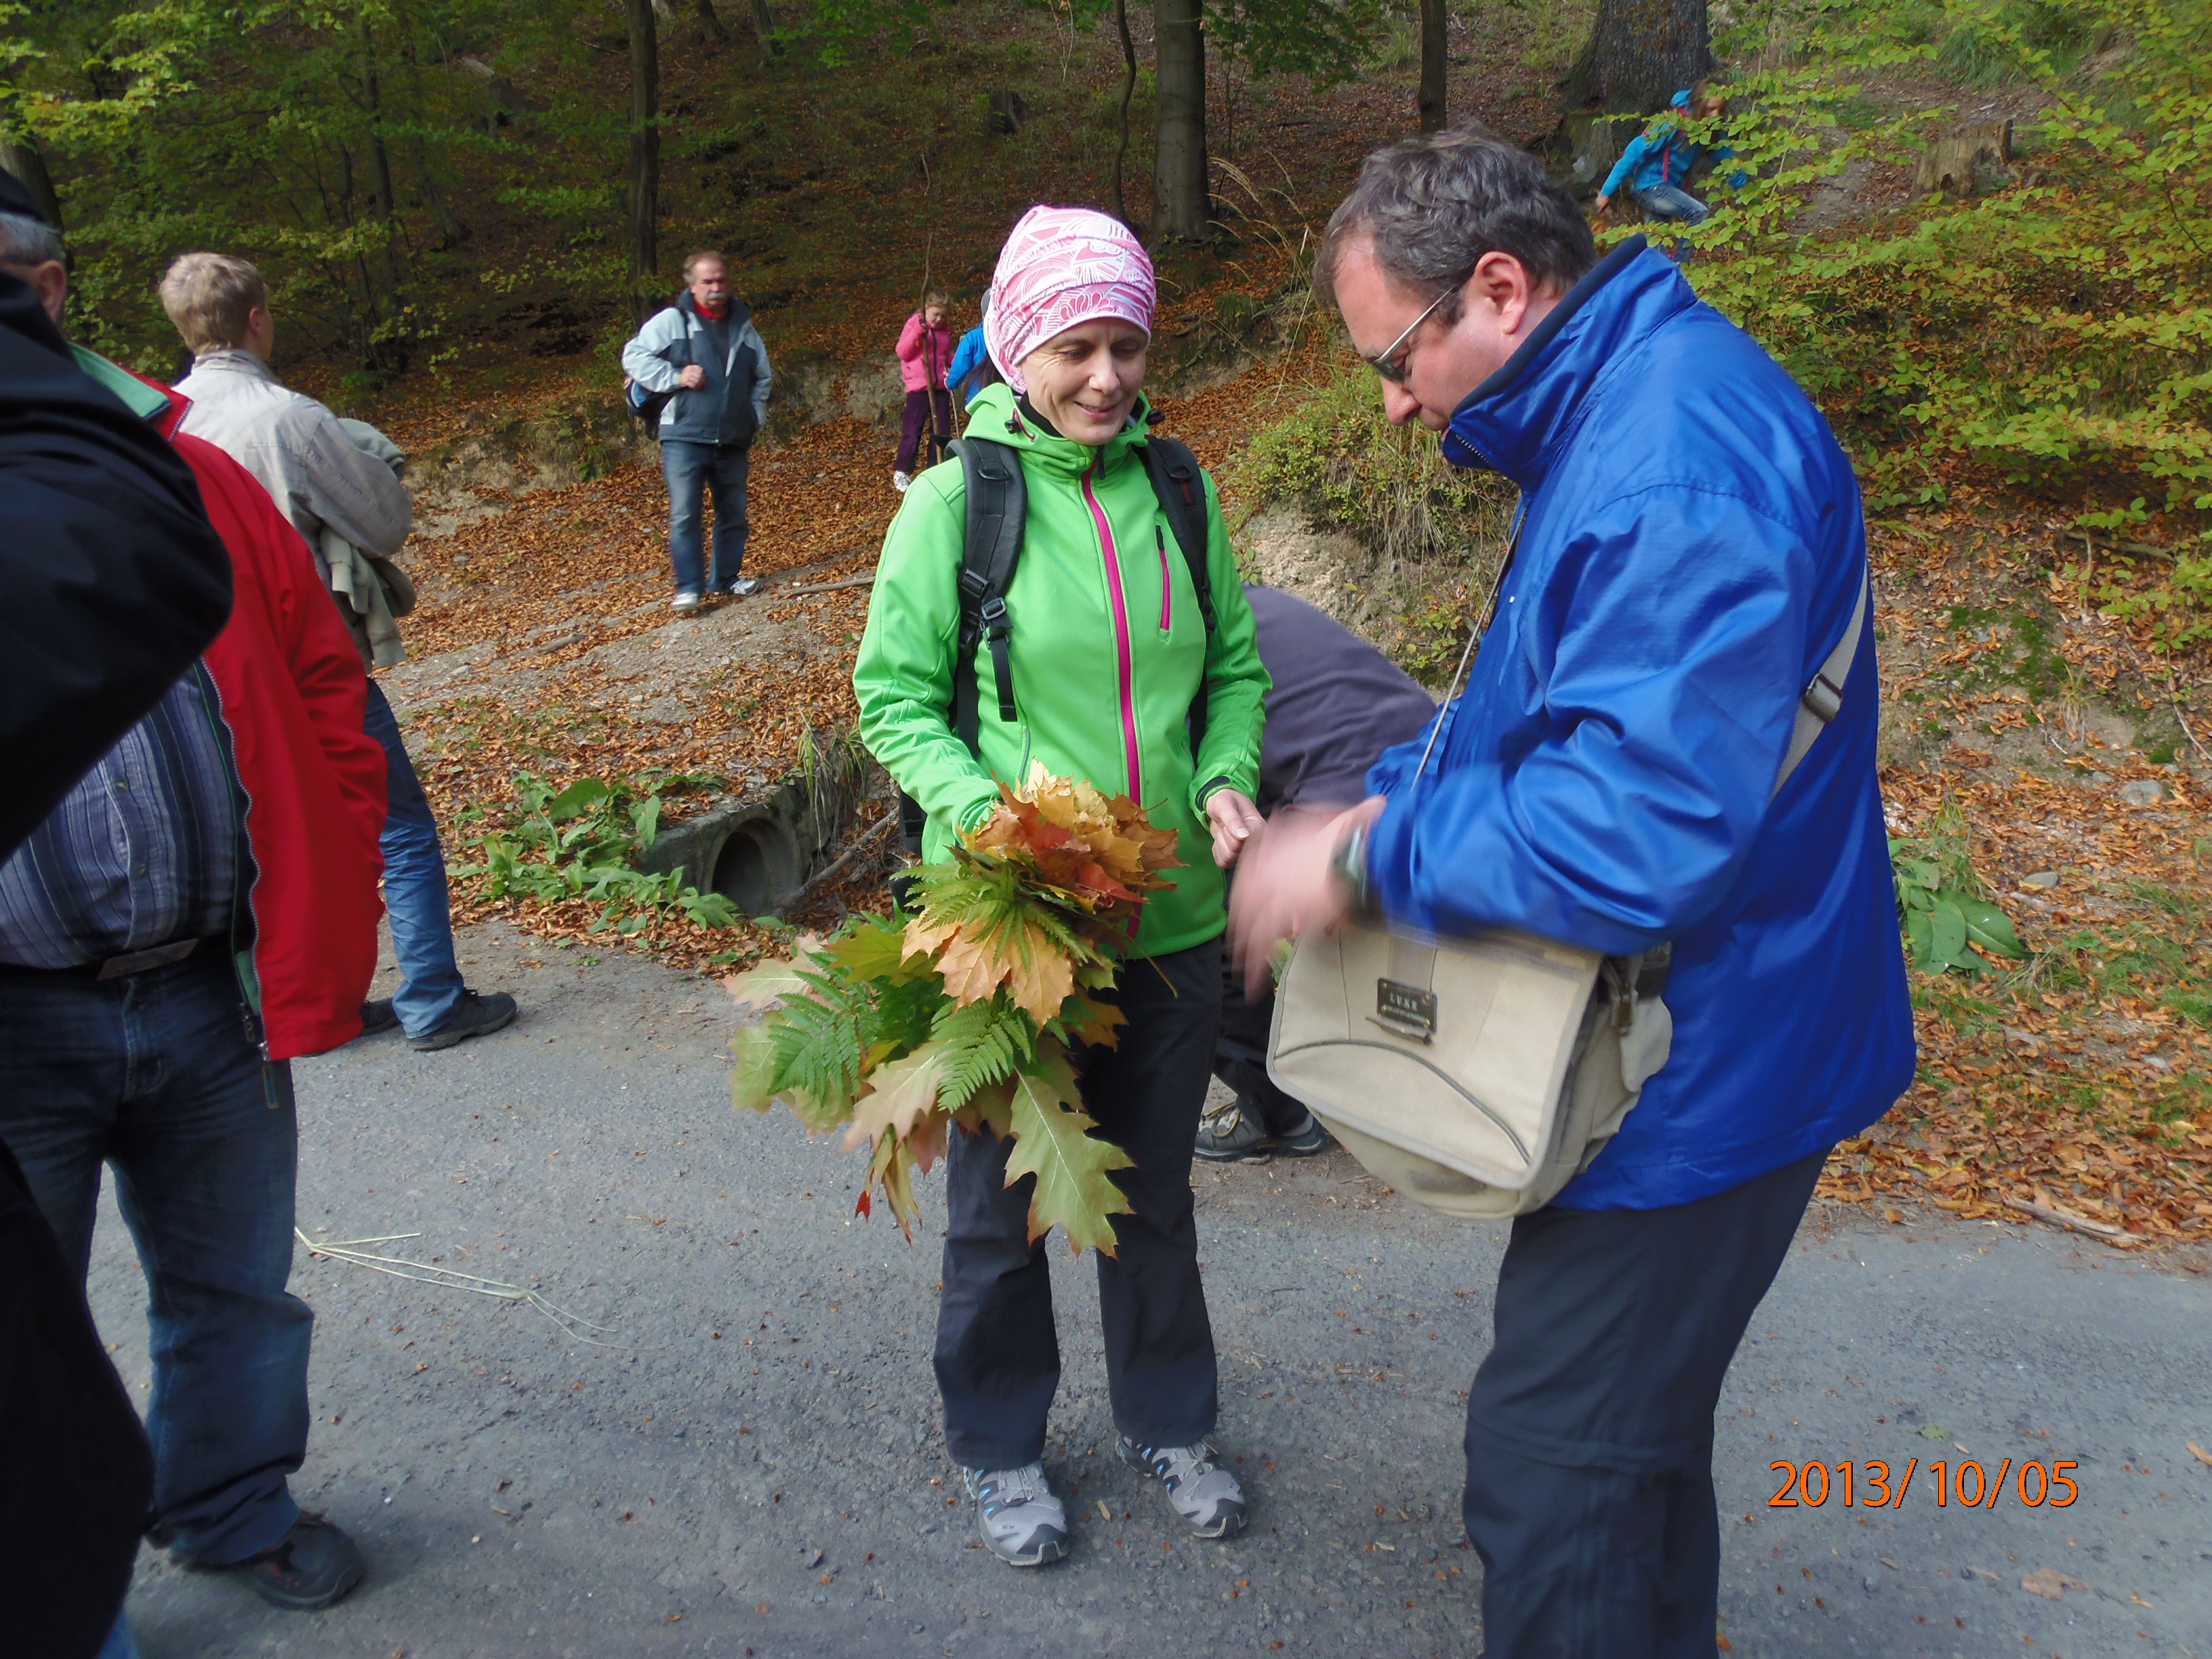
(1515, 420)
(234, 359)
(735, 317)
(995, 416)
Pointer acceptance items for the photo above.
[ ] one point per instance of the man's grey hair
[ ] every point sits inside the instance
(211, 298)
(28, 241)
(1433, 206)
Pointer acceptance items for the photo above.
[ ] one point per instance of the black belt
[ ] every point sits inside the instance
(137, 962)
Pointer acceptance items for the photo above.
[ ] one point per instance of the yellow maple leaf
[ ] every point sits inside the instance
(902, 1091)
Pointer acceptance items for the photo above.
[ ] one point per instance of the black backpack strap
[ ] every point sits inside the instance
(998, 508)
(1180, 488)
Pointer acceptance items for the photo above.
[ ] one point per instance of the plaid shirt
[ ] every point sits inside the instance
(144, 850)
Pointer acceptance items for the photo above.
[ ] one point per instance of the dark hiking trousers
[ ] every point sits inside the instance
(929, 412)
(998, 1353)
(1589, 1429)
(1240, 1055)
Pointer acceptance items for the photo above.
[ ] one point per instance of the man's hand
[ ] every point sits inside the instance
(1599, 206)
(691, 377)
(1234, 821)
(1287, 886)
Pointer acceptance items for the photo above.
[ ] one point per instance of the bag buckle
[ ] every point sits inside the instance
(1406, 1009)
(1823, 699)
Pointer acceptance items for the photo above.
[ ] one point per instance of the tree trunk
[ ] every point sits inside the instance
(644, 179)
(1434, 60)
(379, 159)
(1179, 182)
(709, 25)
(764, 28)
(21, 157)
(1640, 53)
(1128, 91)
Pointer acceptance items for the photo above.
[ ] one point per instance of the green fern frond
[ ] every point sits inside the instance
(981, 1043)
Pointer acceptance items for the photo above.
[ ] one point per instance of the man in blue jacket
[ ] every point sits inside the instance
(1690, 553)
(705, 350)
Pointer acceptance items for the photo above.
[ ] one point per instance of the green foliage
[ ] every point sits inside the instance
(1941, 904)
(2057, 329)
(1387, 485)
(578, 842)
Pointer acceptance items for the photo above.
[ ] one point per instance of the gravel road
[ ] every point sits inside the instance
(750, 1465)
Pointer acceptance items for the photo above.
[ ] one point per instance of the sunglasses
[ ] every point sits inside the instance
(1385, 363)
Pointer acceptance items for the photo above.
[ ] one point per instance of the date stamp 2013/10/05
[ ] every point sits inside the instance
(1871, 1484)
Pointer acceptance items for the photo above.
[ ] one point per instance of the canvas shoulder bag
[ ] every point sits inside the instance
(1478, 1075)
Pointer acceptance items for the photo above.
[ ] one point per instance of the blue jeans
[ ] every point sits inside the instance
(413, 886)
(691, 469)
(1678, 206)
(154, 1075)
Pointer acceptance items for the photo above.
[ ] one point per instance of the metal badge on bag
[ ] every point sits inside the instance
(1406, 1009)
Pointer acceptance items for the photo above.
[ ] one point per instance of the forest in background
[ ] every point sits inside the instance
(1975, 230)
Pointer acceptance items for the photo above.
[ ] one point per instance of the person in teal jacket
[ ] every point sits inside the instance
(1657, 163)
(1110, 653)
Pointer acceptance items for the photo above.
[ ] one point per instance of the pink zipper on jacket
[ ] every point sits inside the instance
(1124, 661)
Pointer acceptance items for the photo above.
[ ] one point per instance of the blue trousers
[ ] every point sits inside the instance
(691, 470)
(154, 1074)
(998, 1350)
(1589, 1428)
(415, 896)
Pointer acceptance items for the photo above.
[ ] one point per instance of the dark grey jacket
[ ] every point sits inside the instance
(1337, 703)
(730, 408)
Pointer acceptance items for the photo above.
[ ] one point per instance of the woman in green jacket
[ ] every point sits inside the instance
(1108, 654)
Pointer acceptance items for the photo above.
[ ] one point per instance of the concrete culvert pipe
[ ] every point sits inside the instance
(758, 864)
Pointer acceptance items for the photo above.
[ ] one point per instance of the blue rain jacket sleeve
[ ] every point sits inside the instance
(1631, 160)
(967, 356)
(1663, 726)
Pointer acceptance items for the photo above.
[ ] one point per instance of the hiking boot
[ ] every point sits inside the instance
(1304, 1141)
(472, 1016)
(900, 481)
(1229, 1134)
(684, 603)
(378, 1016)
(1019, 1519)
(1204, 1496)
(313, 1565)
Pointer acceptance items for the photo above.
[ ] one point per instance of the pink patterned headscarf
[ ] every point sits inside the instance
(1061, 267)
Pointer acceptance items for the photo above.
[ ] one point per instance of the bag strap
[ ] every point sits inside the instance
(997, 511)
(1823, 700)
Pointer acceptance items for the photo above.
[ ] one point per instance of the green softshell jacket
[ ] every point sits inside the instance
(1109, 650)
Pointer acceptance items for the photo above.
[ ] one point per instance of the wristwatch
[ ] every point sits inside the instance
(1349, 865)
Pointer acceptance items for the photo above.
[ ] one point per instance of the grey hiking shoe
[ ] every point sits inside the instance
(1200, 1490)
(1229, 1134)
(1021, 1521)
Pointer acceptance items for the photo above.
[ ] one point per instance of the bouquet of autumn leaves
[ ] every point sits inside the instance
(964, 1011)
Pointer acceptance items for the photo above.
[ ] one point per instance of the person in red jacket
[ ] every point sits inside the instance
(924, 352)
(199, 910)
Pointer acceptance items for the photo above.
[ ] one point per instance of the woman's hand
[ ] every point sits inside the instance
(1288, 885)
(1234, 820)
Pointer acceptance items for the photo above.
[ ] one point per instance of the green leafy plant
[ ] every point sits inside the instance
(1942, 908)
(577, 842)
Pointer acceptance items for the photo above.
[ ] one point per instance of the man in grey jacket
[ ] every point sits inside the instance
(704, 354)
(323, 480)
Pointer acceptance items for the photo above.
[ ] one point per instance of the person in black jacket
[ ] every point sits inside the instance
(1337, 702)
(115, 583)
